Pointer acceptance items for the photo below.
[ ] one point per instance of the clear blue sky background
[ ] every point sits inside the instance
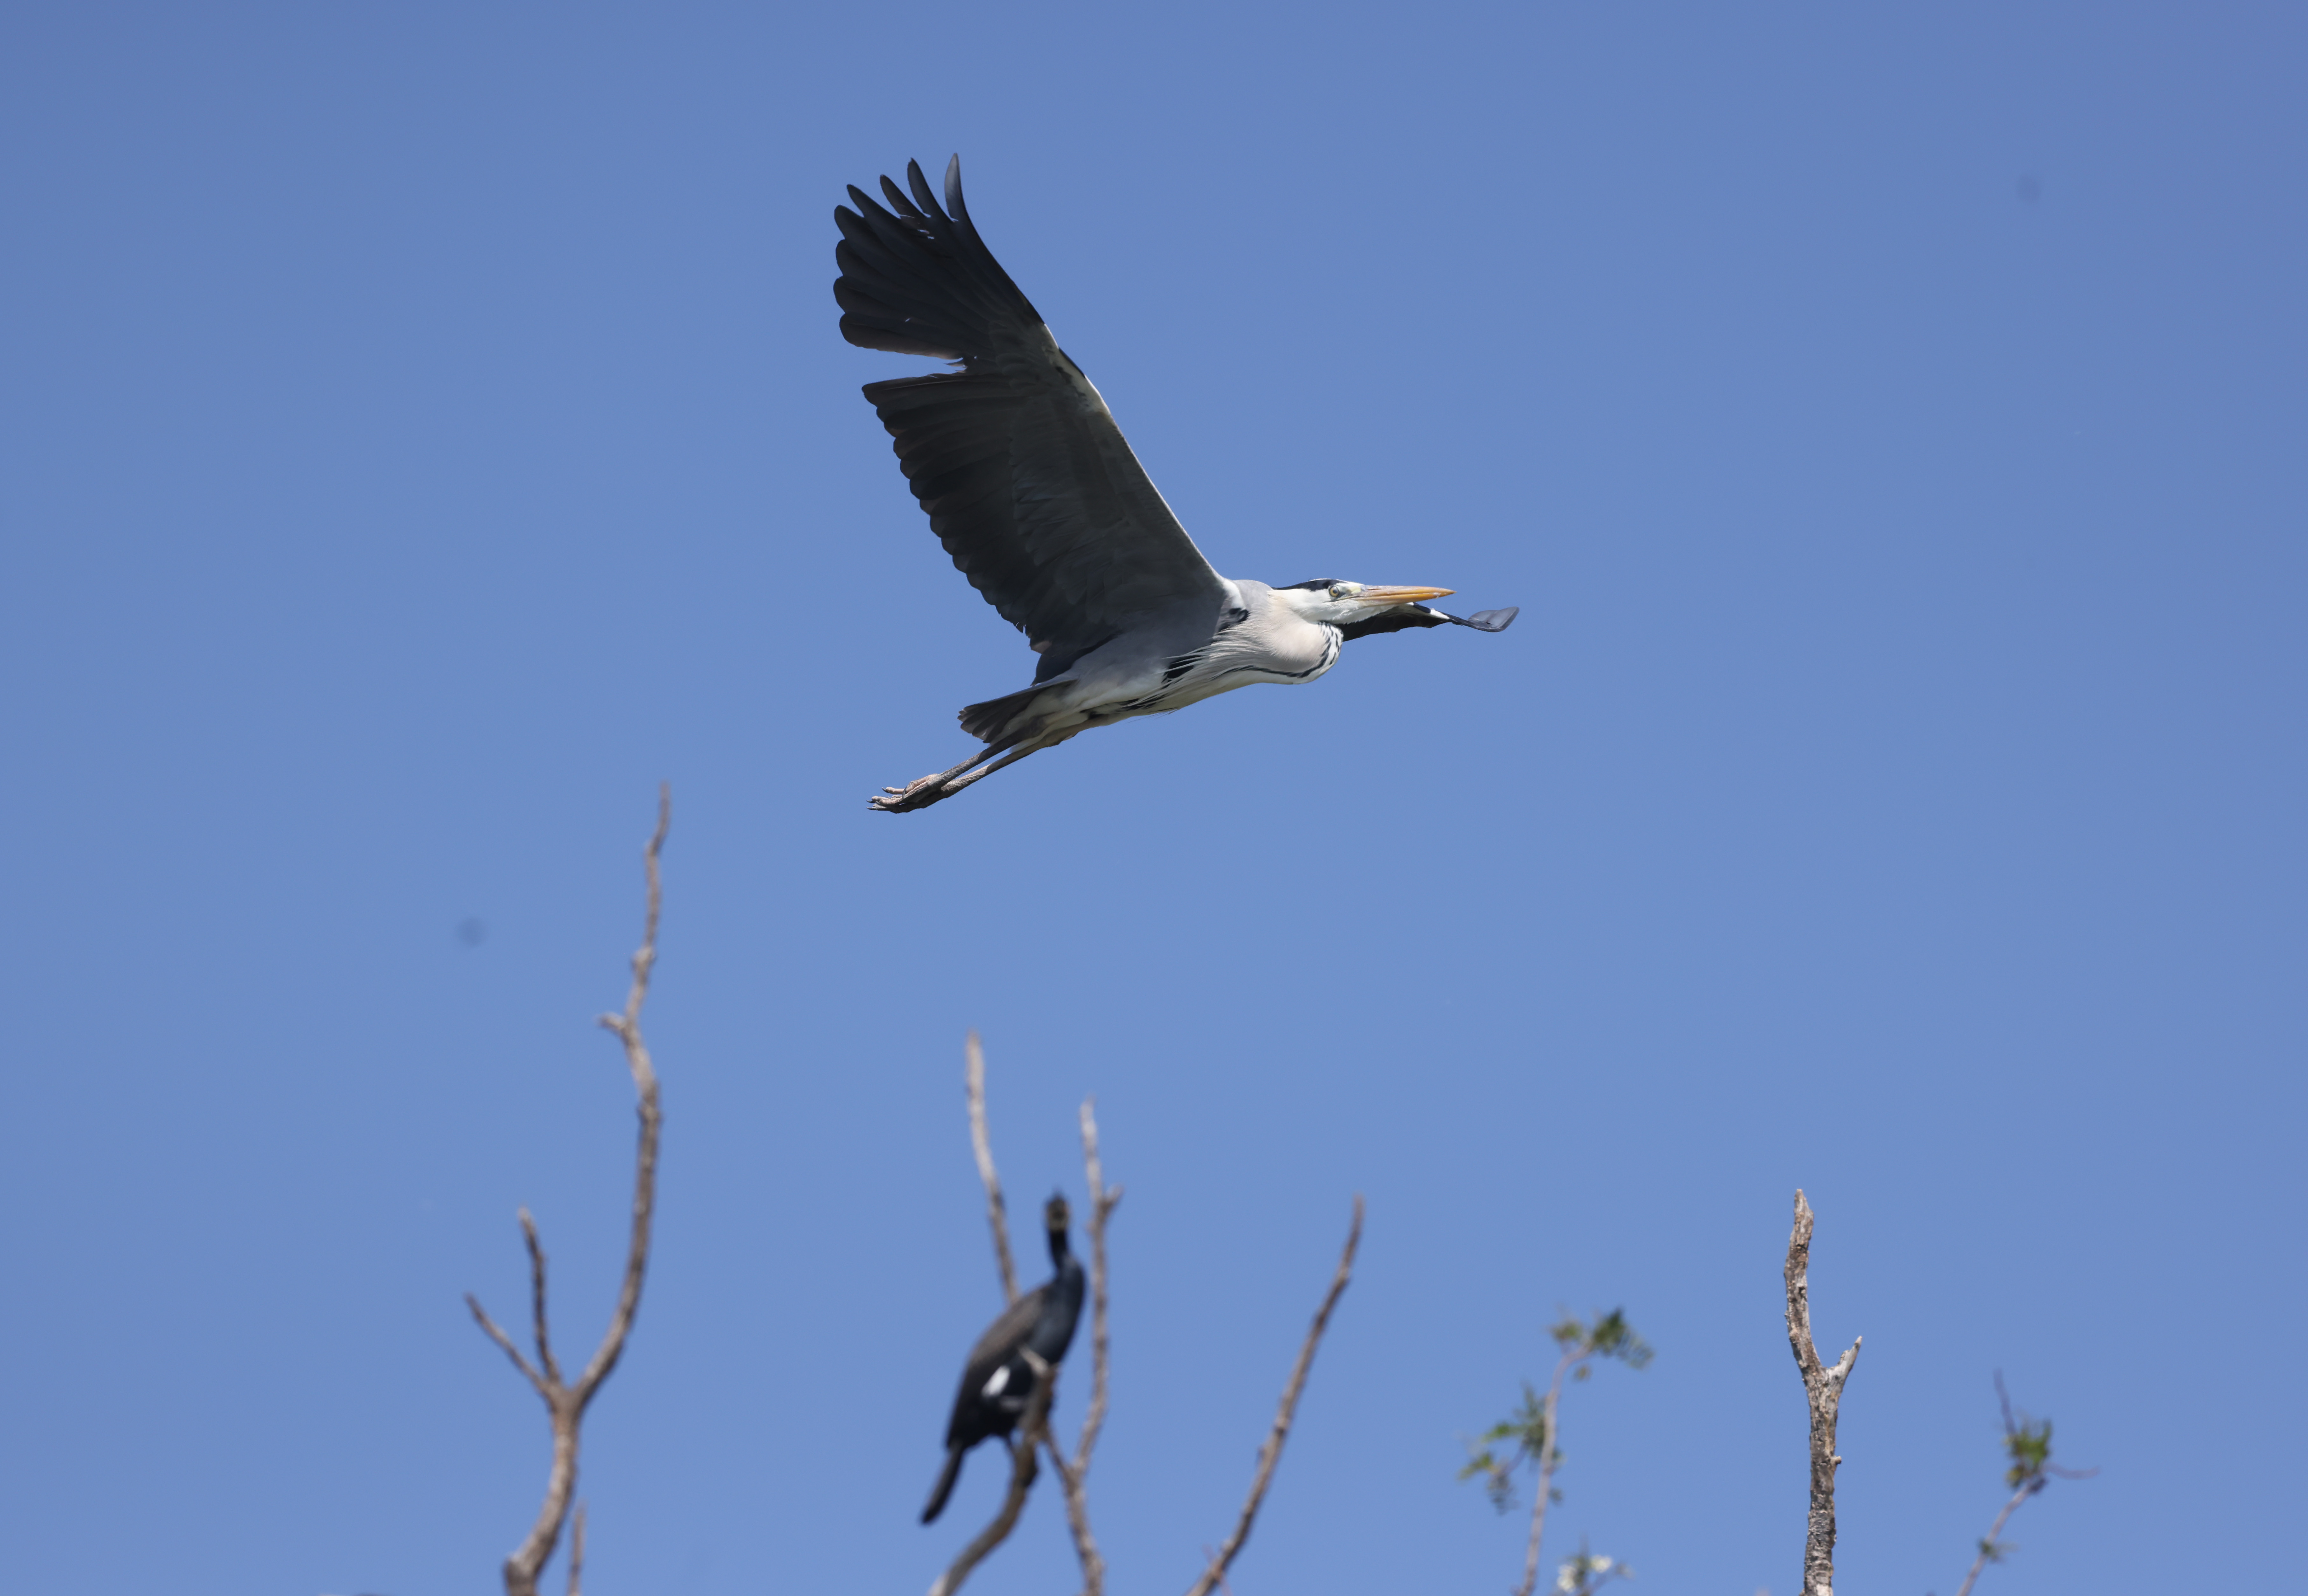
(426, 429)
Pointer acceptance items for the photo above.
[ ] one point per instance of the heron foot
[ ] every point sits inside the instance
(917, 794)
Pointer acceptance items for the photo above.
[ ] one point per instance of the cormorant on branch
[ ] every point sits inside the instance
(996, 1381)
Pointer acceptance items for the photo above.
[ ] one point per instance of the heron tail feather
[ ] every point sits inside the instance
(992, 720)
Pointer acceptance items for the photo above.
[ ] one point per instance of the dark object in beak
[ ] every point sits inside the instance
(1404, 616)
(1487, 619)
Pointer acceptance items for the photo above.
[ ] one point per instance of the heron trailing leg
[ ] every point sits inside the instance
(945, 784)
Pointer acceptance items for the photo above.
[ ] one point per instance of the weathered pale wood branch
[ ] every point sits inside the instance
(1033, 1432)
(1823, 1390)
(981, 1143)
(565, 1404)
(1271, 1454)
(577, 1552)
(1074, 1476)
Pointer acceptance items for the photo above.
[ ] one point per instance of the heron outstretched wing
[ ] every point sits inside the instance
(1027, 480)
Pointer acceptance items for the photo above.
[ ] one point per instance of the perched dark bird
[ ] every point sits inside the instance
(996, 1382)
(1035, 495)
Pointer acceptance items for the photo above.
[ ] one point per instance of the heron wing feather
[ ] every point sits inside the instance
(1027, 480)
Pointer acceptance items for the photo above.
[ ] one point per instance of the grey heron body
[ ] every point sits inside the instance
(1035, 495)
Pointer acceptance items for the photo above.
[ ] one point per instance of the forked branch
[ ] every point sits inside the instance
(1271, 1454)
(565, 1404)
(1823, 1391)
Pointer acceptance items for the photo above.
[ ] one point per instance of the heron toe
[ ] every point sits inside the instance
(915, 794)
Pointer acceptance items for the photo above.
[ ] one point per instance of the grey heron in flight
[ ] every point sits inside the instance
(1035, 494)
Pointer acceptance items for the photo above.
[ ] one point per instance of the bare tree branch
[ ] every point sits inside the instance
(1270, 1452)
(997, 1212)
(565, 1405)
(627, 1029)
(1073, 1477)
(489, 1328)
(1071, 1483)
(577, 1553)
(1033, 1432)
(537, 1296)
(1102, 1204)
(1823, 1389)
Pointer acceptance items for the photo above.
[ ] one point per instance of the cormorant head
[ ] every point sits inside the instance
(1055, 1219)
(1337, 603)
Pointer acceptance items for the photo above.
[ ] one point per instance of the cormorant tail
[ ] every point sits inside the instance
(944, 1486)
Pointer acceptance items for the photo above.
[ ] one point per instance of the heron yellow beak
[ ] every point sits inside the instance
(1401, 595)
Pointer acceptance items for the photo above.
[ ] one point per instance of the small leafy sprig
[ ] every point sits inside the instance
(1529, 1437)
(2028, 1444)
(1586, 1574)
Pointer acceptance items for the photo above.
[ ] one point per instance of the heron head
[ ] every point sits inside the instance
(1342, 603)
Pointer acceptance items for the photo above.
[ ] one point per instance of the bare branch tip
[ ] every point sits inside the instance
(504, 1344)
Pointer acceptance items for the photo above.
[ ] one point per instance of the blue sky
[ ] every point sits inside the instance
(426, 430)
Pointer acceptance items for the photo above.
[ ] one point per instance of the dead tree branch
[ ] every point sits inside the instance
(577, 1552)
(981, 1143)
(1270, 1452)
(565, 1404)
(1823, 1388)
(1074, 1477)
(1033, 1432)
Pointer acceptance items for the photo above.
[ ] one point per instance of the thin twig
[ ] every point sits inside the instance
(577, 1553)
(1077, 1498)
(1823, 1391)
(1270, 1452)
(1032, 1431)
(1989, 1546)
(997, 1213)
(1103, 1201)
(537, 1296)
(1074, 1477)
(2030, 1472)
(627, 1029)
(1549, 1456)
(490, 1327)
(565, 1405)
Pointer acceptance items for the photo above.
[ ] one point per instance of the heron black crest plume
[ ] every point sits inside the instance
(1039, 500)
